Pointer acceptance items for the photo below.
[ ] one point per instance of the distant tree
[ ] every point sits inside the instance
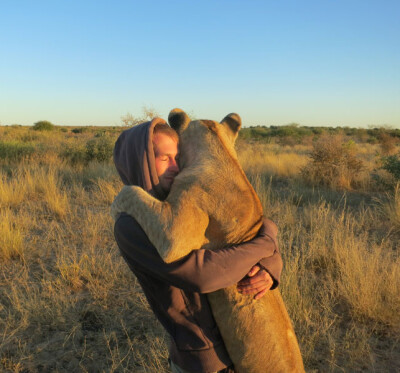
(148, 113)
(43, 125)
(129, 120)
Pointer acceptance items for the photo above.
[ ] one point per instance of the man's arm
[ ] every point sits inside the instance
(202, 270)
(264, 275)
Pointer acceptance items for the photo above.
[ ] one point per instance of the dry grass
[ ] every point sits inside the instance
(68, 302)
(341, 283)
(11, 236)
(271, 159)
(389, 208)
(34, 184)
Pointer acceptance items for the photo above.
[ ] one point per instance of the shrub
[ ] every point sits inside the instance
(100, 149)
(79, 130)
(74, 155)
(388, 143)
(43, 125)
(391, 164)
(15, 151)
(333, 163)
(97, 149)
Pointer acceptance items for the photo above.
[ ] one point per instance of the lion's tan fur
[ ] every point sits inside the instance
(212, 205)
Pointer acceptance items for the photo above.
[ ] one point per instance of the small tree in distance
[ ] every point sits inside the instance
(43, 125)
(148, 113)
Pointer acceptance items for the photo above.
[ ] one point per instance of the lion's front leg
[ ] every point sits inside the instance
(134, 201)
(153, 215)
(173, 230)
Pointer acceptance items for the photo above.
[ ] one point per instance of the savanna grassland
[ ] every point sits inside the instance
(69, 303)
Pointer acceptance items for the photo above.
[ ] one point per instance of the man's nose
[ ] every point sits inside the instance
(173, 165)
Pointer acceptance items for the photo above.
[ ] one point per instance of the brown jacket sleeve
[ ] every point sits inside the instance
(272, 264)
(201, 270)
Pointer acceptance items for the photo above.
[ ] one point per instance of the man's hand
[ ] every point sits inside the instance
(258, 281)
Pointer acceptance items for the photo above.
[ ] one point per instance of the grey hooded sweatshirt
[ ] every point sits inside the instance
(177, 291)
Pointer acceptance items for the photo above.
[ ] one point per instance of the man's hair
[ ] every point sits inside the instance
(166, 130)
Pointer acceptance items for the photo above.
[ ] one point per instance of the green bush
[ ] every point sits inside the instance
(97, 149)
(255, 133)
(43, 125)
(100, 149)
(79, 130)
(15, 151)
(392, 165)
(75, 155)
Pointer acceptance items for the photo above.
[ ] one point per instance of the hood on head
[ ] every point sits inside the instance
(134, 158)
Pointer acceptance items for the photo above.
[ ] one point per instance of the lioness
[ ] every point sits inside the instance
(211, 205)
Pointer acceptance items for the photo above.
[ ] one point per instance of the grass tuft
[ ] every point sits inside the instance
(389, 208)
(11, 236)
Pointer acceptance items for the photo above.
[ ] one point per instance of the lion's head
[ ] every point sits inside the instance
(201, 138)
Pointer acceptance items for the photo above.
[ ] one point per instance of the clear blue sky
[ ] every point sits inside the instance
(319, 62)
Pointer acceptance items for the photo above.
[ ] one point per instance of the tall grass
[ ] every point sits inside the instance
(271, 159)
(388, 208)
(15, 151)
(68, 302)
(34, 184)
(11, 236)
(340, 281)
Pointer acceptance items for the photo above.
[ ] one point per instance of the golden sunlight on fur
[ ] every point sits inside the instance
(198, 213)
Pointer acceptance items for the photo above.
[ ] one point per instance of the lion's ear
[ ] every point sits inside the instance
(232, 123)
(178, 120)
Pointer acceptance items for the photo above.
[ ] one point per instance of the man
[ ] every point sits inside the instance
(146, 155)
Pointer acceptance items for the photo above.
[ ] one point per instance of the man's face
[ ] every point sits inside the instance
(165, 151)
